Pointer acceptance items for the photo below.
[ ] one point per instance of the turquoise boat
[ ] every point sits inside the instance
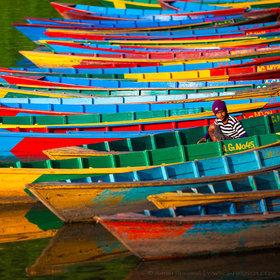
(126, 192)
(224, 227)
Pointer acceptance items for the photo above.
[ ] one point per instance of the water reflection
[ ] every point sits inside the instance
(255, 265)
(26, 222)
(24, 231)
(87, 251)
(76, 243)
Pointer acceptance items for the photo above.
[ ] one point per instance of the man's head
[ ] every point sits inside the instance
(219, 108)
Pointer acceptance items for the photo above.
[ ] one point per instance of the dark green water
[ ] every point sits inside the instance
(87, 251)
(71, 253)
(15, 11)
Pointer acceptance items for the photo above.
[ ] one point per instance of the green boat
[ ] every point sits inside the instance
(253, 126)
(20, 91)
(14, 176)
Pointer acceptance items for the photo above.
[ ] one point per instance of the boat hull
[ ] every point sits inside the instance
(163, 239)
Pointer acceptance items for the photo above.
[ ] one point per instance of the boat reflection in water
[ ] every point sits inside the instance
(254, 265)
(26, 222)
(74, 244)
(88, 249)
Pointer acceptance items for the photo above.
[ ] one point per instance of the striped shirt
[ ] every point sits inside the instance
(232, 129)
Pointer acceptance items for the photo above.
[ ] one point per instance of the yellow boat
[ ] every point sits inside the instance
(166, 200)
(4, 91)
(15, 226)
(53, 60)
(13, 180)
(123, 4)
(193, 75)
(73, 244)
(197, 43)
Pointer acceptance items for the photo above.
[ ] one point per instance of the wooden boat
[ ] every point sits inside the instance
(70, 118)
(79, 47)
(253, 4)
(174, 200)
(153, 124)
(117, 96)
(73, 152)
(98, 31)
(30, 146)
(90, 105)
(89, 84)
(149, 73)
(116, 72)
(15, 176)
(253, 126)
(192, 90)
(123, 4)
(88, 12)
(238, 42)
(153, 23)
(6, 111)
(216, 37)
(251, 74)
(156, 21)
(199, 230)
(55, 118)
(145, 28)
(182, 28)
(259, 125)
(220, 73)
(69, 247)
(92, 12)
(110, 194)
(122, 105)
(182, 5)
(14, 92)
(48, 59)
(15, 225)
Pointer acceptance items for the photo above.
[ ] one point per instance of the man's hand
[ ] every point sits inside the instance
(202, 140)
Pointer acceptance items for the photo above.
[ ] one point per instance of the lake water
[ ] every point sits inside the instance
(36, 245)
(15, 11)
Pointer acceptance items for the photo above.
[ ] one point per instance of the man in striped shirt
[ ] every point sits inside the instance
(225, 126)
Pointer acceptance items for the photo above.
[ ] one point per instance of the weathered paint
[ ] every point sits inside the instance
(14, 180)
(225, 227)
(80, 201)
(139, 231)
(128, 196)
(207, 235)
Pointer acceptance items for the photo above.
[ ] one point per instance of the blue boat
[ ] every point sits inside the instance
(127, 70)
(199, 230)
(87, 83)
(125, 192)
(38, 31)
(93, 105)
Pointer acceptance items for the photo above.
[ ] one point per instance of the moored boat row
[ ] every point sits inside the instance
(106, 122)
